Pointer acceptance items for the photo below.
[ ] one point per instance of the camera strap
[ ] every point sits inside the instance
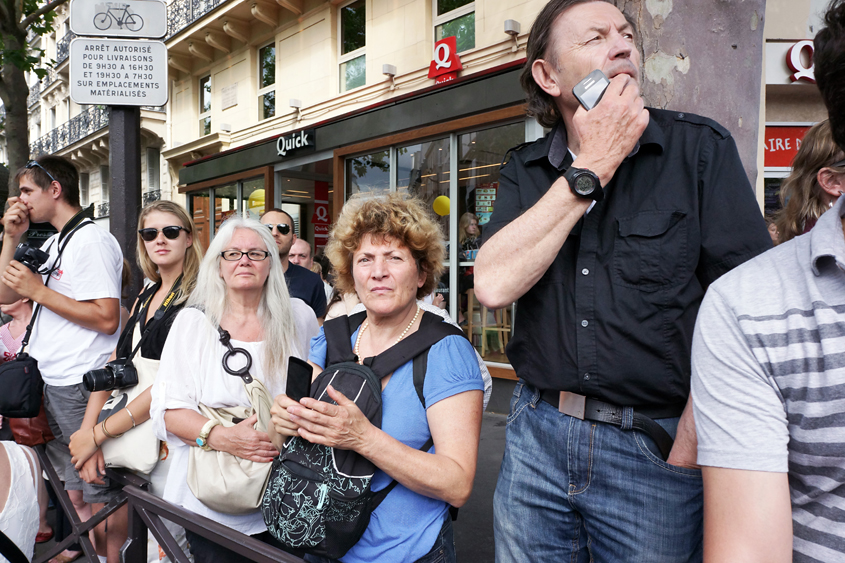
(77, 223)
(159, 314)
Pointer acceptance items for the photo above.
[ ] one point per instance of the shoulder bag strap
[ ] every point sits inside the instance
(432, 330)
(49, 272)
(10, 550)
(339, 333)
(165, 305)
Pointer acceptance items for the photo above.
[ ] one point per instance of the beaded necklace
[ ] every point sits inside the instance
(367, 323)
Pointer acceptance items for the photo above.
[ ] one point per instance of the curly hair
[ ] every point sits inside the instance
(395, 217)
(193, 255)
(829, 70)
(801, 194)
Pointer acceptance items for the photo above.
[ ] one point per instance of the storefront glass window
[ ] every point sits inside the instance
(480, 155)
(198, 204)
(771, 197)
(423, 171)
(369, 173)
(253, 197)
(225, 204)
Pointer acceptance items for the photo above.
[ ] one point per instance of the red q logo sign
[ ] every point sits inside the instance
(446, 63)
(795, 62)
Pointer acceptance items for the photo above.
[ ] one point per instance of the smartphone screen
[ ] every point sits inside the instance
(590, 90)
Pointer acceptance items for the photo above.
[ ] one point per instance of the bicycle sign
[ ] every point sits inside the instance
(119, 15)
(127, 18)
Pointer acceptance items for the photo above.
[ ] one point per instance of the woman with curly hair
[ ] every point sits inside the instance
(390, 252)
(816, 182)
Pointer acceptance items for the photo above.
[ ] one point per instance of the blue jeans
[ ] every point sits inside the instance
(575, 491)
(443, 550)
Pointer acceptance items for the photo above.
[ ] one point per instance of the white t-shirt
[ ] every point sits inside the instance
(191, 372)
(90, 268)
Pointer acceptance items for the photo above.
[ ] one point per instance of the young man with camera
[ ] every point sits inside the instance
(78, 290)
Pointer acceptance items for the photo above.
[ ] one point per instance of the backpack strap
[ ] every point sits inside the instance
(338, 333)
(432, 330)
(10, 550)
(380, 495)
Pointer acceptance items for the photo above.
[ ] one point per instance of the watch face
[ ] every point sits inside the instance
(584, 184)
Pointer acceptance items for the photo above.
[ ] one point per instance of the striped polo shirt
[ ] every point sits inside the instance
(768, 378)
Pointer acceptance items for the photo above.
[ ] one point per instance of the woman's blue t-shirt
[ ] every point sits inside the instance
(405, 525)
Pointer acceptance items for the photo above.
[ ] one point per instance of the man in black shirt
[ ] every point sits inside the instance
(607, 231)
(303, 284)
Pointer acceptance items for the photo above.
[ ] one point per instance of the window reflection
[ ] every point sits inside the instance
(369, 173)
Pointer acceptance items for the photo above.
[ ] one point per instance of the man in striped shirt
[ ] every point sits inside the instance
(768, 388)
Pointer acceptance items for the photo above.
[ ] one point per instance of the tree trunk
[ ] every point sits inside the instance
(704, 57)
(14, 94)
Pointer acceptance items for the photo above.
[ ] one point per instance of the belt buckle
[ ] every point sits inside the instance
(572, 404)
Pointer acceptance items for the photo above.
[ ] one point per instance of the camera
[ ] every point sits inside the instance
(118, 374)
(31, 257)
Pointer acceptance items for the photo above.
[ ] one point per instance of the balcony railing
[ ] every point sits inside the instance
(86, 123)
(149, 197)
(182, 13)
(51, 77)
(34, 94)
(103, 209)
(63, 47)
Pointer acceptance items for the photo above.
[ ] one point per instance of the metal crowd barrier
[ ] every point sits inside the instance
(145, 513)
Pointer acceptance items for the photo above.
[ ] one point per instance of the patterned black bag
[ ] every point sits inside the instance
(318, 498)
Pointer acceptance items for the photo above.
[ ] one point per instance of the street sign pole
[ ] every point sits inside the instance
(113, 63)
(125, 169)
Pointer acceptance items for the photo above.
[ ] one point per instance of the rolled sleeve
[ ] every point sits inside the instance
(732, 228)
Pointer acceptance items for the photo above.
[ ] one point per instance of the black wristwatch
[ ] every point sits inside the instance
(584, 183)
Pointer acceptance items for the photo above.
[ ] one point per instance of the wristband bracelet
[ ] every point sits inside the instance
(129, 412)
(106, 432)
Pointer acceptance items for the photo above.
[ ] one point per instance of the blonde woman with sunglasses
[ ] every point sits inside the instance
(169, 256)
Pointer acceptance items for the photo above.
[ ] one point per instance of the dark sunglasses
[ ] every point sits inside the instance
(32, 164)
(171, 233)
(838, 164)
(283, 228)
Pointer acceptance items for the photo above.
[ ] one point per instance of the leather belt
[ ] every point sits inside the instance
(585, 408)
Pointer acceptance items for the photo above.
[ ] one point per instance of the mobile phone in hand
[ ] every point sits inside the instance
(299, 379)
(590, 90)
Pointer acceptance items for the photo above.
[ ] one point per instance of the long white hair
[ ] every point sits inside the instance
(274, 311)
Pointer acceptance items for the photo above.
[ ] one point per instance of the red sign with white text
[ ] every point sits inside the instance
(321, 219)
(782, 142)
(446, 63)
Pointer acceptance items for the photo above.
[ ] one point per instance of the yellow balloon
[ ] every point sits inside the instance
(441, 205)
(256, 199)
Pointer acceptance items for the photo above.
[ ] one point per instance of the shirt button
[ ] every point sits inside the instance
(585, 271)
(584, 323)
(586, 377)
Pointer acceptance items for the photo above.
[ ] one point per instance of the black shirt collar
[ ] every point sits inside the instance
(554, 146)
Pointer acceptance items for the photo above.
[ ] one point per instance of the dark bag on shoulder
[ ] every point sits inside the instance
(318, 498)
(20, 379)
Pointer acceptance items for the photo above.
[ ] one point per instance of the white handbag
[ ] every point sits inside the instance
(138, 448)
(222, 481)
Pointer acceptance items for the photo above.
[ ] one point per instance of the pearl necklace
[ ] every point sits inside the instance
(367, 324)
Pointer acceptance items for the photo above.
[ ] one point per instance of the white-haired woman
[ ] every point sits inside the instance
(240, 288)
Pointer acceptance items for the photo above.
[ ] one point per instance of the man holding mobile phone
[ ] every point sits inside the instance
(647, 207)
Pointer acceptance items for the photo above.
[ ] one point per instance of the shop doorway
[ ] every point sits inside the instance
(304, 190)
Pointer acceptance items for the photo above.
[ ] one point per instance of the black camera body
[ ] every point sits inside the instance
(118, 374)
(31, 257)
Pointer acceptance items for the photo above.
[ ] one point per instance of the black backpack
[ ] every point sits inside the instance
(318, 499)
